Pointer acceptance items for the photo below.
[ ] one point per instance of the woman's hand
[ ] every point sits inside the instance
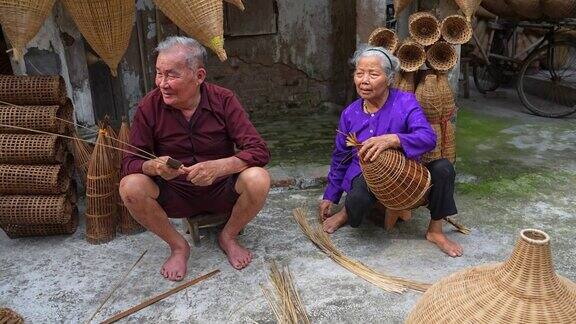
(324, 209)
(373, 146)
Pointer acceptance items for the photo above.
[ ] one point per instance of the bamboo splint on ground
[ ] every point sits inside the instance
(323, 241)
(284, 298)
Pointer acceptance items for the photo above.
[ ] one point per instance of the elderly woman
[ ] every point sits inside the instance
(384, 118)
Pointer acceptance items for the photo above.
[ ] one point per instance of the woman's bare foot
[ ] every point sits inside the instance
(436, 236)
(238, 256)
(334, 222)
(175, 266)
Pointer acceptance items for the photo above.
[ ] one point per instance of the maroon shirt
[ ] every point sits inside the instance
(219, 128)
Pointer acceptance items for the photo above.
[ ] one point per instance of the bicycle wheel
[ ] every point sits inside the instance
(547, 80)
(486, 77)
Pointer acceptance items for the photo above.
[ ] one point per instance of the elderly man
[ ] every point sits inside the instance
(205, 127)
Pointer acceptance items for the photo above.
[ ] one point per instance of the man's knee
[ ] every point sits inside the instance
(135, 187)
(254, 179)
(442, 169)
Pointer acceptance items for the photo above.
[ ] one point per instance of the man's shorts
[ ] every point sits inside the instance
(181, 199)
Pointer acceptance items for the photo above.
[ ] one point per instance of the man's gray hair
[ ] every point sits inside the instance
(390, 63)
(194, 51)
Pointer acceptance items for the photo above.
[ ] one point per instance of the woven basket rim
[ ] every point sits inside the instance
(535, 236)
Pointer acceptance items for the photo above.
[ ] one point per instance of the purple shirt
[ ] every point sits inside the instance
(401, 115)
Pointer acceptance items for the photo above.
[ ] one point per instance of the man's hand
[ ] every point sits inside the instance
(324, 209)
(204, 173)
(373, 146)
(158, 167)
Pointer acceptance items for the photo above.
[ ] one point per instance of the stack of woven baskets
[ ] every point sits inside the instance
(37, 192)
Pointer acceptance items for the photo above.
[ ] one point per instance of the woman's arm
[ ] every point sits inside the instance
(341, 159)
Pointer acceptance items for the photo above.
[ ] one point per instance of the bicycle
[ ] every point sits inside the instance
(545, 79)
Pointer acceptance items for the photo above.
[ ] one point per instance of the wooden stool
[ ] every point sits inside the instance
(195, 223)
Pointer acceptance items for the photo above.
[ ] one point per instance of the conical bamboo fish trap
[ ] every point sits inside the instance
(384, 37)
(405, 81)
(424, 28)
(100, 194)
(31, 149)
(33, 179)
(8, 316)
(82, 153)
(455, 29)
(397, 182)
(441, 56)
(411, 55)
(446, 95)
(237, 3)
(468, 7)
(21, 21)
(127, 224)
(15, 231)
(436, 153)
(558, 9)
(34, 210)
(400, 5)
(523, 289)
(526, 9)
(430, 98)
(41, 118)
(201, 19)
(32, 90)
(448, 142)
(106, 25)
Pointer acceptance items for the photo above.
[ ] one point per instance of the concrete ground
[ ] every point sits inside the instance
(515, 171)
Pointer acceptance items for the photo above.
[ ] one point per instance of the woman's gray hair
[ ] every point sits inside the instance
(390, 63)
(194, 51)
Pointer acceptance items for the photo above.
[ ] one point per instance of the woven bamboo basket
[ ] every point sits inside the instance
(430, 98)
(33, 179)
(127, 224)
(31, 149)
(441, 56)
(8, 316)
(436, 153)
(526, 9)
(523, 289)
(397, 182)
(448, 142)
(237, 3)
(405, 81)
(21, 20)
(411, 55)
(16, 231)
(82, 152)
(41, 118)
(201, 19)
(106, 25)
(32, 90)
(499, 8)
(446, 95)
(424, 28)
(384, 37)
(558, 9)
(468, 7)
(34, 210)
(400, 5)
(101, 217)
(455, 29)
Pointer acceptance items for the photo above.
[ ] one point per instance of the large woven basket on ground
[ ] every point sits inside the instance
(411, 55)
(558, 9)
(31, 149)
(400, 5)
(34, 179)
(405, 81)
(525, 9)
(441, 56)
(106, 25)
(16, 231)
(424, 28)
(523, 289)
(448, 139)
(32, 90)
(41, 118)
(468, 7)
(21, 20)
(201, 19)
(397, 182)
(101, 217)
(127, 224)
(436, 153)
(455, 29)
(430, 98)
(34, 210)
(446, 95)
(384, 37)
(8, 316)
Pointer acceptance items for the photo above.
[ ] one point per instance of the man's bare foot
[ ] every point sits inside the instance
(175, 266)
(334, 222)
(238, 256)
(449, 247)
